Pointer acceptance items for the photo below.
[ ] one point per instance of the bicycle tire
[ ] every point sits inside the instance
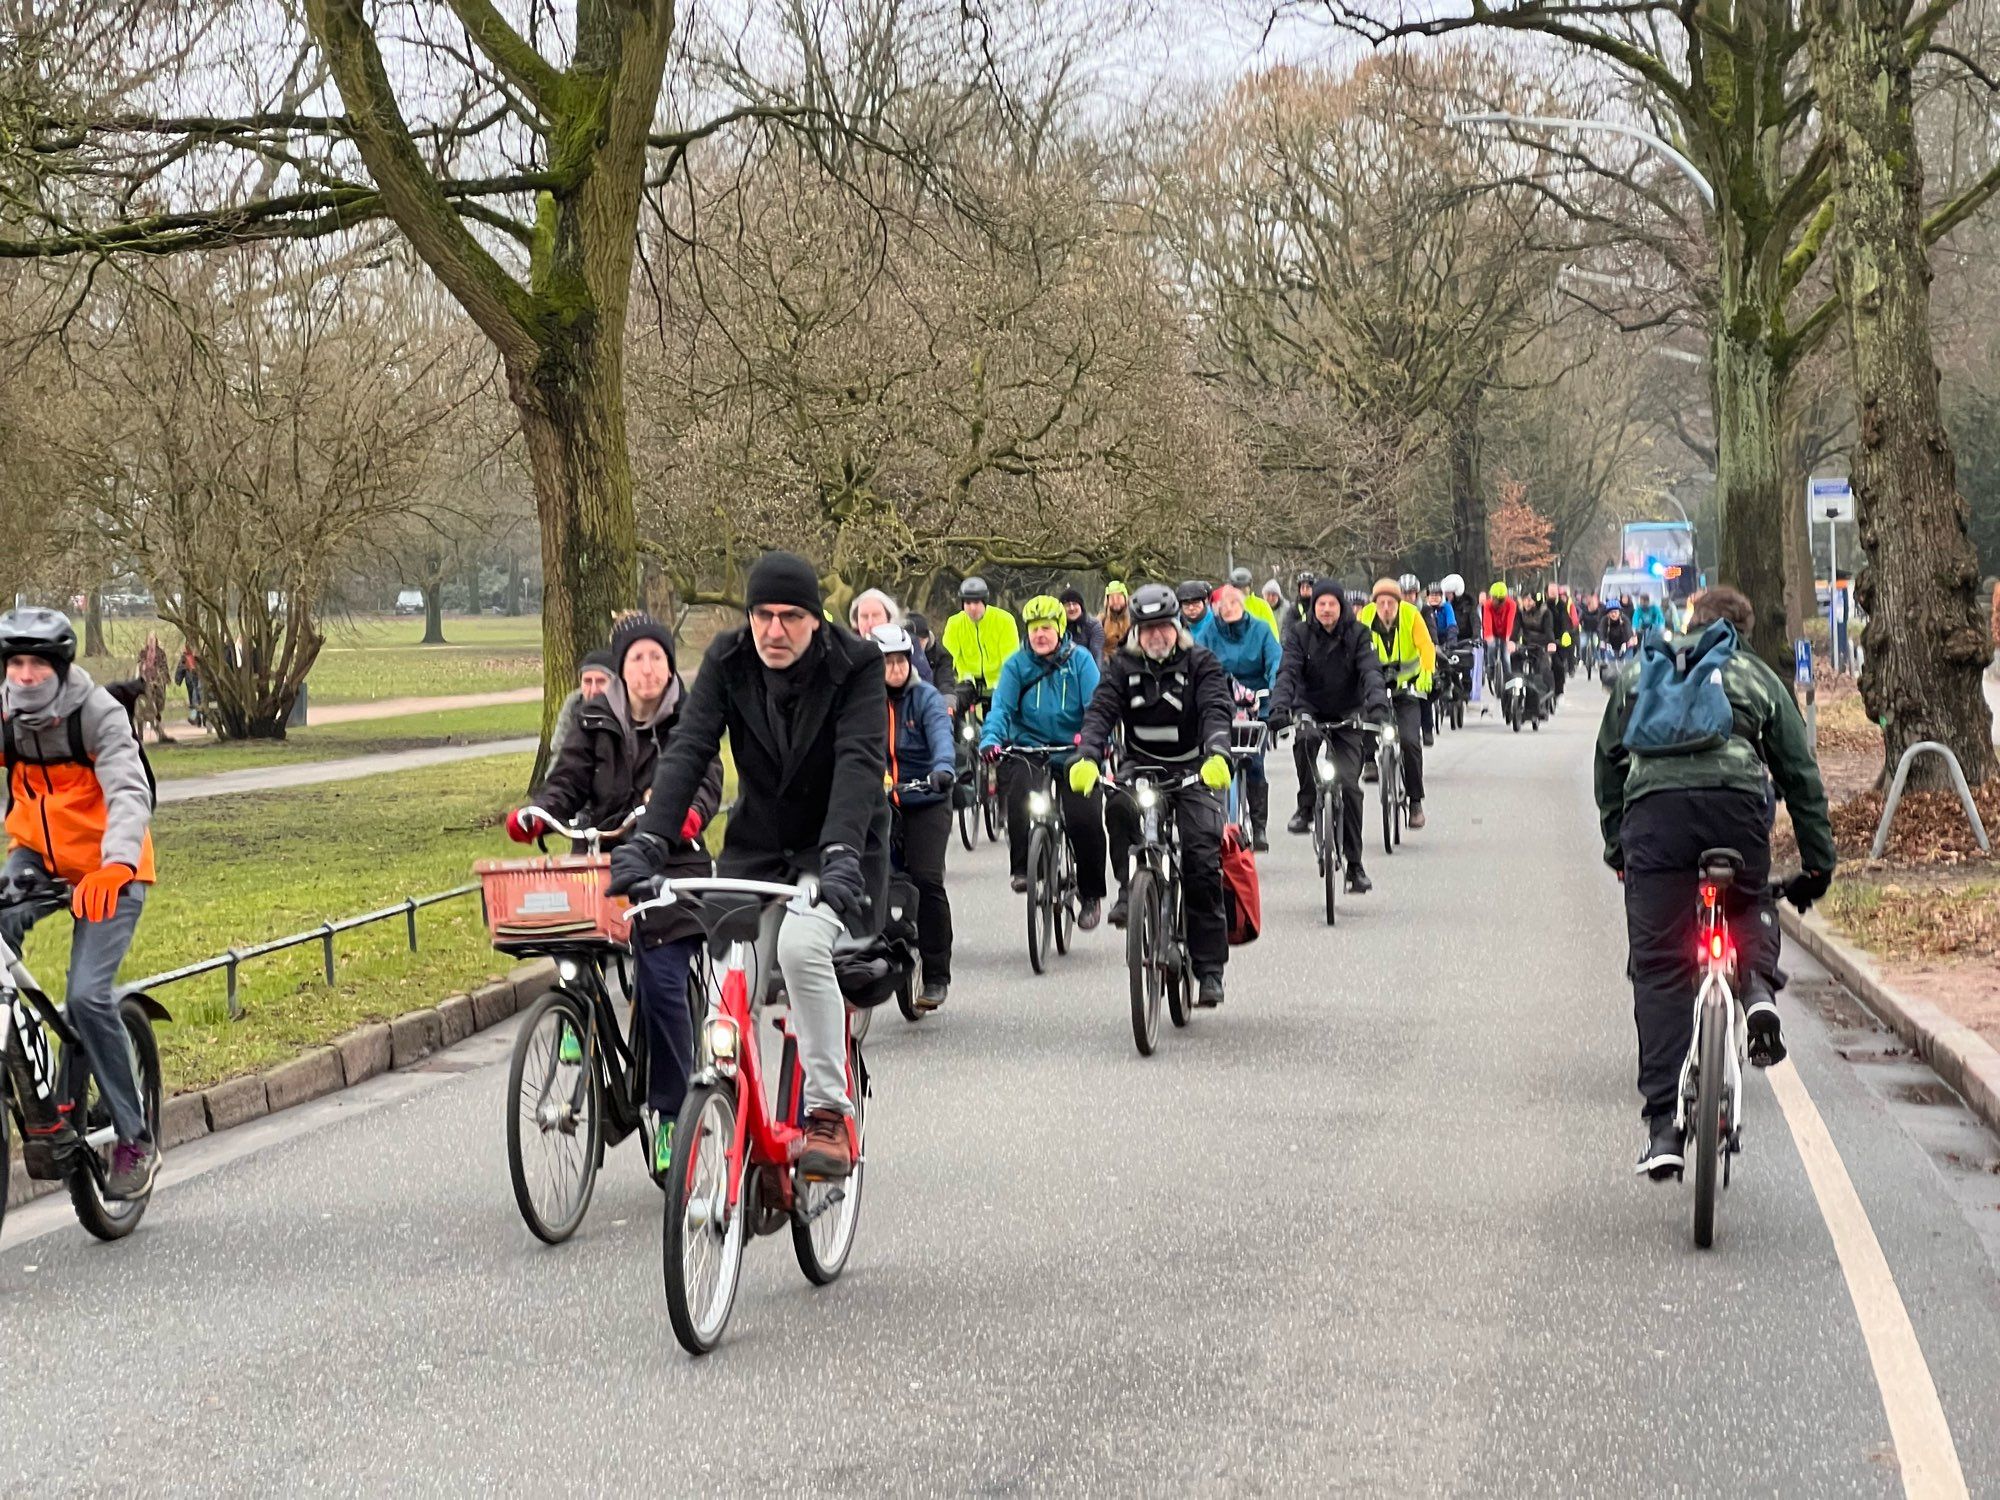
(1389, 773)
(968, 824)
(1041, 900)
(1329, 862)
(1142, 939)
(567, 1009)
(6, 1142)
(1708, 1133)
(104, 1218)
(824, 1257)
(994, 812)
(907, 990)
(1066, 897)
(1176, 980)
(697, 1176)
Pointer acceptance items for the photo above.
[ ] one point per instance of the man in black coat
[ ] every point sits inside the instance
(1329, 670)
(1083, 632)
(806, 711)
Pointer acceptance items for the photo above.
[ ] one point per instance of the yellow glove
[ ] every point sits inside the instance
(1566, 640)
(1083, 776)
(1215, 772)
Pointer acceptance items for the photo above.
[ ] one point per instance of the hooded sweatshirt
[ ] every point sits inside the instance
(78, 818)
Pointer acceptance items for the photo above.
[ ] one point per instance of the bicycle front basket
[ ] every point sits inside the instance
(557, 896)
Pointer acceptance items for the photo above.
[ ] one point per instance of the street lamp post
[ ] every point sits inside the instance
(1608, 127)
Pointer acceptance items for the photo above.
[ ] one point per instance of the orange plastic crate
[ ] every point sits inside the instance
(550, 898)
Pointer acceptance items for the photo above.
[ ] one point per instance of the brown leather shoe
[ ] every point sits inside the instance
(1416, 816)
(829, 1153)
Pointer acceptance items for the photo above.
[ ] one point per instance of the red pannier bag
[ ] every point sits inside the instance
(1240, 895)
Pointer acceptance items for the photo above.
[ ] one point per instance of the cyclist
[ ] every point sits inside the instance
(980, 638)
(1496, 630)
(1250, 654)
(1303, 583)
(920, 750)
(1078, 625)
(1616, 628)
(1040, 701)
(1568, 627)
(1409, 662)
(1273, 594)
(1116, 619)
(1442, 623)
(604, 771)
(592, 678)
(1660, 811)
(932, 661)
(1239, 579)
(1194, 595)
(805, 708)
(1647, 617)
(1330, 670)
(80, 810)
(1171, 699)
(1535, 633)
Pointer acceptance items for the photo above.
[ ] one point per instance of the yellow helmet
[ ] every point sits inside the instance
(1044, 609)
(1498, 591)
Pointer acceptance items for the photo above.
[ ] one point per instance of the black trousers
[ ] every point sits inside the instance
(1410, 730)
(922, 835)
(1082, 816)
(662, 984)
(1663, 837)
(1349, 748)
(1198, 814)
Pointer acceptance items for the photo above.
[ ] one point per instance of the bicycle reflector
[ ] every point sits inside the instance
(722, 1045)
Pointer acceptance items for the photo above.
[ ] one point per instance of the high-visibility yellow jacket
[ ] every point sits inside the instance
(978, 651)
(1413, 659)
(1253, 604)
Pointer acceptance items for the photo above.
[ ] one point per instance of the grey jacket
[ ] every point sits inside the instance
(114, 753)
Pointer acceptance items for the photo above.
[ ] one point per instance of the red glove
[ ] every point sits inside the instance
(96, 896)
(691, 825)
(522, 830)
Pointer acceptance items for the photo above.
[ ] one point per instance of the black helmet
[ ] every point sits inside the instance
(1153, 603)
(1191, 590)
(974, 588)
(46, 633)
(1239, 578)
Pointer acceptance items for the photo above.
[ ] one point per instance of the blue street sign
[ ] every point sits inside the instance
(1802, 663)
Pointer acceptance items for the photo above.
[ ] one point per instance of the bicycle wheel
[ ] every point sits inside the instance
(702, 1236)
(1041, 898)
(908, 989)
(1708, 1133)
(1143, 943)
(104, 1217)
(6, 1145)
(1327, 835)
(824, 1214)
(1066, 897)
(968, 823)
(1177, 980)
(995, 812)
(1390, 772)
(555, 1130)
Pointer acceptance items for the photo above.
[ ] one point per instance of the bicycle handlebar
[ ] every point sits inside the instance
(672, 891)
(551, 824)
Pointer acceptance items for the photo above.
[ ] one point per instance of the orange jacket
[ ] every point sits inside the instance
(80, 817)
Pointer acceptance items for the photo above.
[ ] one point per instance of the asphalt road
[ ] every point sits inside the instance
(1370, 1228)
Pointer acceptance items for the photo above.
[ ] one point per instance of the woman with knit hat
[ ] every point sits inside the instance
(1116, 620)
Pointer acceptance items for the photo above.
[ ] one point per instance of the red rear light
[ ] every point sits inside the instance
(1708, 895)
(1715, 944)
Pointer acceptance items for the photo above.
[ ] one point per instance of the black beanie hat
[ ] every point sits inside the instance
(604, 661)
(1325, 585)
(916, 624)
(630, 631)
(1071, 595)
(784, 578)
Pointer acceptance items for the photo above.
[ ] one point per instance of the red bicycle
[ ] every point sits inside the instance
(736, 1144)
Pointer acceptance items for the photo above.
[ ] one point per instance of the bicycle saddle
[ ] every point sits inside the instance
(1721, 864)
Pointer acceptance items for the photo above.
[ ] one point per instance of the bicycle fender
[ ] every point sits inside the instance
(153, 1009)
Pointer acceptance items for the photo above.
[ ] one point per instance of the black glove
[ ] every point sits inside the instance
(638, 859)
(1806, 887)
(1279, 721)
(942, 779)
(840, 887)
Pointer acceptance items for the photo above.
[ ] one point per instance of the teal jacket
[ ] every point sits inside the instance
(1040, 700)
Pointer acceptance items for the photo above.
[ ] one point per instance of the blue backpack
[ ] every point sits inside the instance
(1679, 707)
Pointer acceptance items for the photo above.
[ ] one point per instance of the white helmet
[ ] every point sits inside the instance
(1453, 584)
(891, 640)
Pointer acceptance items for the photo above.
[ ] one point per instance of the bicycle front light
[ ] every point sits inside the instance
(566, 970)
(721, 1036)
(1038, 804)
(969, 733)
(1149, 797)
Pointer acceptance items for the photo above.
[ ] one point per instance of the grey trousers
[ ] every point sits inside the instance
(804, 950)
(96, 949)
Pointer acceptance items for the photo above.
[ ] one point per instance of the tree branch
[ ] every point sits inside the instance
(510, 52)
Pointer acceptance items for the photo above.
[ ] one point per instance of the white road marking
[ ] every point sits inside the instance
(1924, 1449)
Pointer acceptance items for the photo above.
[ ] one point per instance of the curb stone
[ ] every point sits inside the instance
(1956, 1053)
(354, 1058)
(455, 1019)
(414, 1037)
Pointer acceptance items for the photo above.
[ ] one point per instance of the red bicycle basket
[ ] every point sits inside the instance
(550, 897)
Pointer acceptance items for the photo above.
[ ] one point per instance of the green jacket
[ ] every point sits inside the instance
(1769, 733)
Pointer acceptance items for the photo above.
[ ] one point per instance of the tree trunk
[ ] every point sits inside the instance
(1749, 492)
(472, 587)
(1925, 640)
(433, 611)
(1468, 500)
(93, 624)
(513, 583)
(572, 407)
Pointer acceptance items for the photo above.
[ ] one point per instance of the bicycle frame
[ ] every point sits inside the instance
(1715, 1004)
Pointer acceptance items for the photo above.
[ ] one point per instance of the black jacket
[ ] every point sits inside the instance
(827, 789)
(603, 771)
(944, 676)
(1535, 626)
(1174, 712)
(1086, 634)
(1330, 674)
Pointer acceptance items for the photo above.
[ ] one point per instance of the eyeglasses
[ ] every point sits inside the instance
(764, 616)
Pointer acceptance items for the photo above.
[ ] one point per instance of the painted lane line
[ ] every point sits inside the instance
(1924, 1449)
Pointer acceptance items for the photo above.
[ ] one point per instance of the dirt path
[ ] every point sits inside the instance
(393, 708)
(313, 773)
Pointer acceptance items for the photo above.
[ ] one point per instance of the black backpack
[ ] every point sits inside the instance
(127, 695)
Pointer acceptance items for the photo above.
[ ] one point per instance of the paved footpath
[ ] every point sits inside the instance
(390, 708)
(354, 768)
(1368, 1229)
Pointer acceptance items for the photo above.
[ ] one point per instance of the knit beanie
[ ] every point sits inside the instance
(633, 629)
(784, 578)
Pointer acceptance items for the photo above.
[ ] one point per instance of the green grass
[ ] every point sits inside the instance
(240, 870)
(366, 660)
(455, 726)
(1919, 919)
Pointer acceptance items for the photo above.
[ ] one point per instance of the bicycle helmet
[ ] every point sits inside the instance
(1304, 575)
(1044, 609)
(1155, 602)
(1239, 577)
(1192, 589)
(974, 588)
(1453, 584)
(1433, 588)
(891, 640)
(1498, 591)
(1409, 583)
(46, 633)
